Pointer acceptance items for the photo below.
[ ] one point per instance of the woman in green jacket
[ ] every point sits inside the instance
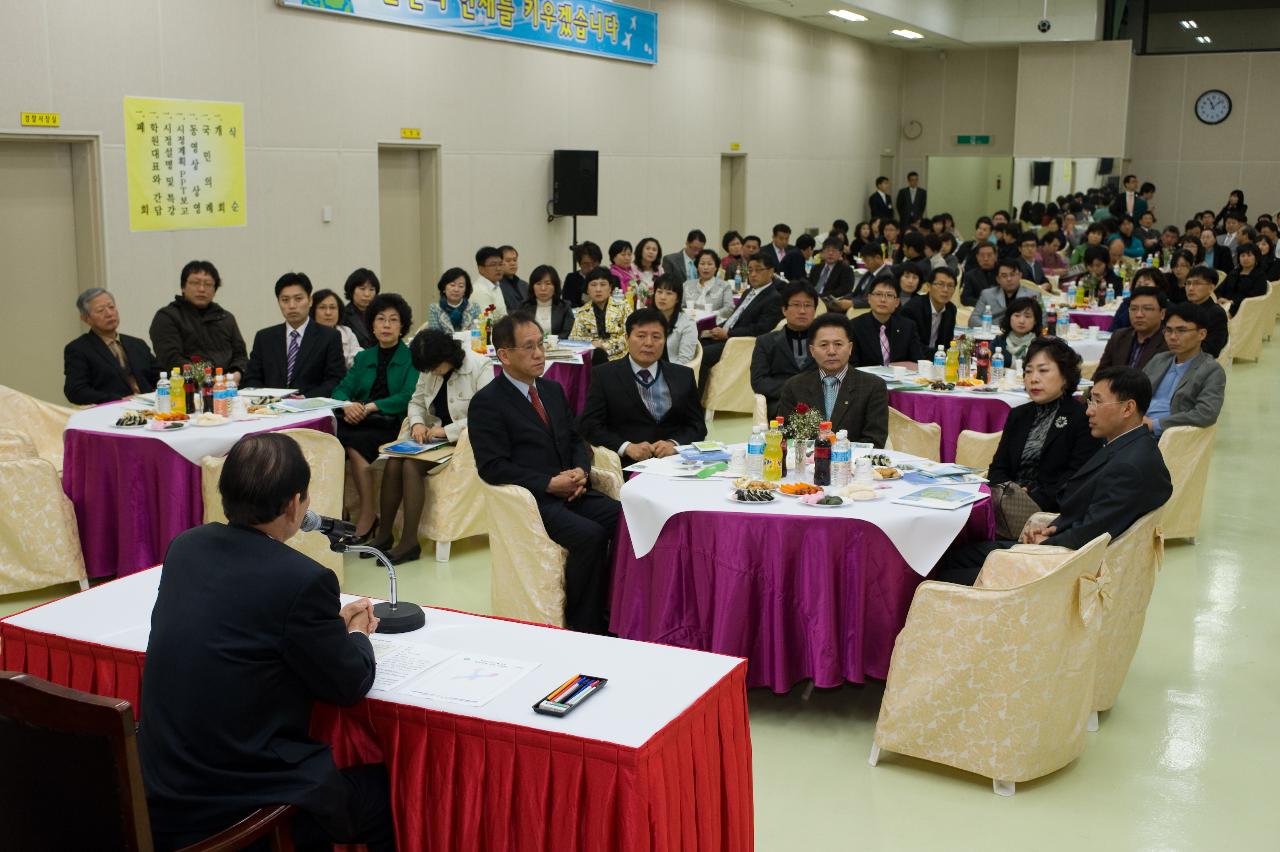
(378, 387)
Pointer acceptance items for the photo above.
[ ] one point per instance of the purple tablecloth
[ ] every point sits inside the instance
(1084, 320)
(953, 413)
(575, 380)
(820, 598)
(132, 496)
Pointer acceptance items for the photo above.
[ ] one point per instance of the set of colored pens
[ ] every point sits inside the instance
(568, 695)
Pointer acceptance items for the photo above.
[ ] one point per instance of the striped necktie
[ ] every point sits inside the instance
(292, 357)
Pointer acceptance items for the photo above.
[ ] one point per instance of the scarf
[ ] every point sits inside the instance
(457, 316)
(1016, 345)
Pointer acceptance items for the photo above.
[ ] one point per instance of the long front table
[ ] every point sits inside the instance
(659, 760)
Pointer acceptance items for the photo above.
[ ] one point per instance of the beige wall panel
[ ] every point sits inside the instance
(1156, 109)
(1225, 141)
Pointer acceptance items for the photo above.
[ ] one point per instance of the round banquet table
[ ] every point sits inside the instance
(957, 410)
(134, 490)
(1093, 318)
(818, 594)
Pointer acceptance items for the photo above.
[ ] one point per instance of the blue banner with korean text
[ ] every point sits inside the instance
(595, 27)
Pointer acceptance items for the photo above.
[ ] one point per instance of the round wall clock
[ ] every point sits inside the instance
(1213, 106)
(912, 129)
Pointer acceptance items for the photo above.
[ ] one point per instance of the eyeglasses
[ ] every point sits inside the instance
(880, 294)
(525, 348)
(1093, 403)
(1180, 329)
(1143, 309)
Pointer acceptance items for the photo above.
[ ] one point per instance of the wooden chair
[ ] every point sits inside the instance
(74, 781)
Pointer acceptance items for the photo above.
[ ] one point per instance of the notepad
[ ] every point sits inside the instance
(940, 497)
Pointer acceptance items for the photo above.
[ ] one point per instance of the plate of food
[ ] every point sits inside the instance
(210, 419)
(858, 492)
(877, 459)
(132, 419)
(750, 495)
(822, 500)
(798, 489)
(886, 473)
(748, 484)
(987, 389)
(942, 387)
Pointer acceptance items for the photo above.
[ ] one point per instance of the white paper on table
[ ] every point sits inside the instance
(674, 466)
(256, 392)
(471, 679)
(400, 662)
(939, 497)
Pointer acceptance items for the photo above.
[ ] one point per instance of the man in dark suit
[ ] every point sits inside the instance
(683, 265)
(757, 313)
(912, 200)
(981, 234)
(1123, 481)
(514, 288)
(850, 399)
(1032, 270)
(639, 406)
(784, 353)
(792, 265)
(1200, 284)
(246, 633)
(877, 269)
(780, 244)
(102, 364)
(832, 279)
(884, 336)
(1136, 345)
(298, 353)
(979, 276)
(523, 433)
(935, 315)
(880, 204)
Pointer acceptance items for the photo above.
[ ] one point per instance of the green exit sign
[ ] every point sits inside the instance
(973, 139)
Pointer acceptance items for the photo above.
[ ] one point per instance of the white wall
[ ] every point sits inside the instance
(320, 92)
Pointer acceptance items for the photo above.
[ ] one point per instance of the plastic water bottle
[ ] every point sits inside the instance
(986, 320)
(755, 453)
(1071, 294)
(1111, 293)
(997, 366)
(477, 344)
(737, 281)
(1064, 324)
(163, 402)
(1125, 291)
(939, 364)
(842, 460)
(230, 394)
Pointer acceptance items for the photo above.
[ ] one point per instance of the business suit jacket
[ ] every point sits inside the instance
(920, 311)
(881, 205)
(1239, 286)
(995, 299)
(862, 288)
(1222, 261)
(975, 281)
(904, 341)
(839, 282)
(317, 371)
(761, 315)
(861, 409)
(245, 635)
(1033, 272)
(772, 366)
(93, 375)
(514, 291)
(615, 414)
(513, 446)
(791, 267)
(908, 212)
(1217, 325)
(1067, 447)
(1197, 398)
(1120, 483)
(674, 265)
(1116, 353)
(1120, 206)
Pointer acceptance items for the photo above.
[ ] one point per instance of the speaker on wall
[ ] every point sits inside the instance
(1041, 172)
(575, 184)
(1106, 165)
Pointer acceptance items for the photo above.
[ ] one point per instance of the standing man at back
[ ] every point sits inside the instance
(880, 204)
(911, 200)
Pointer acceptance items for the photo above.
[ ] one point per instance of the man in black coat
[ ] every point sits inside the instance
(935, 315)
(523, 433)
(912, 200)
(852, 400)
(1119, 484)
(759, 310)
(898, 331)
(832, 279)
(102, 364)
(979, 274)
(193, 327)
(246, 633)
(639, 406)
(784, 353)
(879, 203)
(298, 353)
(792, 265)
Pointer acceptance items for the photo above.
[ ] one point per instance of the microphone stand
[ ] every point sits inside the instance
(393, 616)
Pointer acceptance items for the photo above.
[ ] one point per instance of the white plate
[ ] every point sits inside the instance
(733, 499)
(845, 501)
(135, 426)
(210, 425)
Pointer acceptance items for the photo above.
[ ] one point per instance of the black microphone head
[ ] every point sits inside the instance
(310, 522)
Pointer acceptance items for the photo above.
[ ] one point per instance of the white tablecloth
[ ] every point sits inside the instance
(1090, 349)
(920, 535)
(190, 442)
(649, 685)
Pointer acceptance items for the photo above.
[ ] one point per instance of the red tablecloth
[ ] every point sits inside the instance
(461, 783)
(953, 413)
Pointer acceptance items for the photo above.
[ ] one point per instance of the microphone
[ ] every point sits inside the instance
(394, 616)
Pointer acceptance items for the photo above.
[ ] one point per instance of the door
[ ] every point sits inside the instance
(48, 239)
(409, 222)
(733, 193)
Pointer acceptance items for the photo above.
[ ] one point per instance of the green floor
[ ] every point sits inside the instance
(1180, 764)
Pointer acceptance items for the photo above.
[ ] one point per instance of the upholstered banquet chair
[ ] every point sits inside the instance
(695, 363)
(455, 504)
(42, 422)
(39, 539)
(527, 574)
(918, 439)
(1188, 452)
(998, 682)
(1248, 326)
(760, 416)
(729, 384)
(603, 458)
(328, 462)
(977, 449)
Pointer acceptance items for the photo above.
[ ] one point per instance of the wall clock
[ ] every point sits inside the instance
(912, 129)
(1213, 106)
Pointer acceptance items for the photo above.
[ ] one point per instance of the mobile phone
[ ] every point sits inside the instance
(562, 700)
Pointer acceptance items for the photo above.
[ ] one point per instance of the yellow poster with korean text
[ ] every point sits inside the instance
(185, 162)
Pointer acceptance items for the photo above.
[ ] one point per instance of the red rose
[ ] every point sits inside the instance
(801, 408)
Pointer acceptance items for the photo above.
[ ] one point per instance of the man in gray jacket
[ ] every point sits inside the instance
(1187, 383)
(1009, 287)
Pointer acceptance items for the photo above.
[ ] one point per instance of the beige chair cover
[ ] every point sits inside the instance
(1187, 451)
(455, 504)
(977, 449)
(1088, 368)
(998, 681)
(1247, 327)
(963, 314)
(760, 416)
(16, 445)
(325, 456)
(39, 540)
(527, 575)
(696, 363)
(729, 385)
(606, 460)
(908, 436)
(43, 422)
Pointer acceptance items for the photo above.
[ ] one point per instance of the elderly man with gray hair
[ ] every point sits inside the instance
(103, 365)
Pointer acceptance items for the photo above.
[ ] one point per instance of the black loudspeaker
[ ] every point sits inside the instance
(1041, 172)
(1106, 165)
(575, 182)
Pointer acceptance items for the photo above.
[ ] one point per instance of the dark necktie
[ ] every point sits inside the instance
(537, 406)
(292, 357)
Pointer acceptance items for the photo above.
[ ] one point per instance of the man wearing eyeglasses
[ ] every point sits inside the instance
(1189, 384)
(1137, 345)
(884, 336)
(523, 433)
(935, 317)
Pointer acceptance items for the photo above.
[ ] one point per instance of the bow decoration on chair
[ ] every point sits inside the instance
(1094, 597)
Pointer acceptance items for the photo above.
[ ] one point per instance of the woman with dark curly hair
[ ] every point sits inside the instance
(1044, 443)
(448, 376)
(362, 285)
(378, 387)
